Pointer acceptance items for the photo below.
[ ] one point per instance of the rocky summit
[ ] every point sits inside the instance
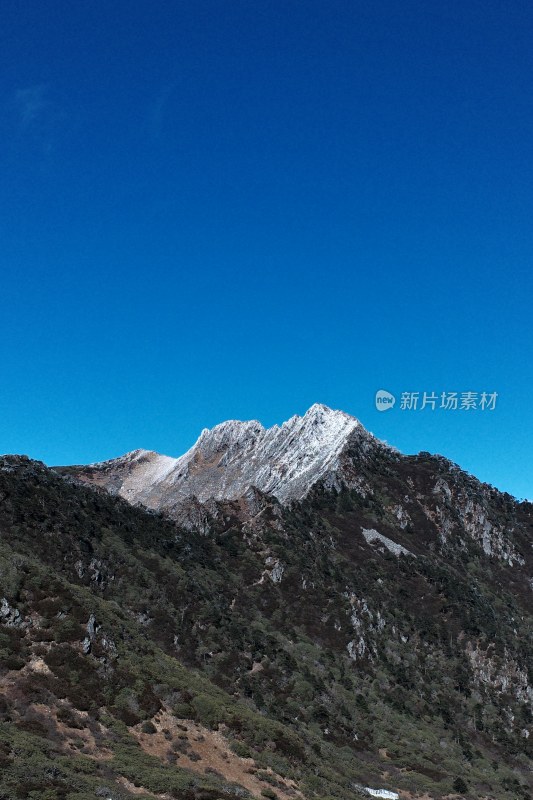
(292, 612)
(285, 461)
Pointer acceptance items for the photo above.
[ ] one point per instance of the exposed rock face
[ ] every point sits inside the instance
(8, 615)
(286, 461)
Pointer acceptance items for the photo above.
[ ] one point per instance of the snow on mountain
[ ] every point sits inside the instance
(286, 460)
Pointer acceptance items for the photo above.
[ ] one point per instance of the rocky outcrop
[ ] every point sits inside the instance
(9, 615)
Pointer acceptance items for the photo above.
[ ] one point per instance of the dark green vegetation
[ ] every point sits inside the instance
(329, 661)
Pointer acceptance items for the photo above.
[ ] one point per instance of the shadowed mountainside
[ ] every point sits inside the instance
(374, 632)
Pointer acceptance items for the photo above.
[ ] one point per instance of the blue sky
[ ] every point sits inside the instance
(220, 209)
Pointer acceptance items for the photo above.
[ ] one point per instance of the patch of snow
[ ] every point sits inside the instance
(372, 535)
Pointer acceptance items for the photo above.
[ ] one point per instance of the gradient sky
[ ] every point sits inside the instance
(220, 209)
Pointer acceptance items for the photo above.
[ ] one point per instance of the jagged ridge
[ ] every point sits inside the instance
(285, 460)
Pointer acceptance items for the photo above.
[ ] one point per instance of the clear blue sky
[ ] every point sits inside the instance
(222, 209)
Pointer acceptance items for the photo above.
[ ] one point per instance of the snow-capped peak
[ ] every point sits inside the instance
(285, 460)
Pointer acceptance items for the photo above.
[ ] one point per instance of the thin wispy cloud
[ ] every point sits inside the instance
(32, 103)
(38, 117)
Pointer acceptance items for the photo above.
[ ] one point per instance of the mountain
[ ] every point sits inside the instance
(297, 612)
(285, 461)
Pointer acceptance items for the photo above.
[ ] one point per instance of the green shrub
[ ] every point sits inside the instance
(148, 727)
